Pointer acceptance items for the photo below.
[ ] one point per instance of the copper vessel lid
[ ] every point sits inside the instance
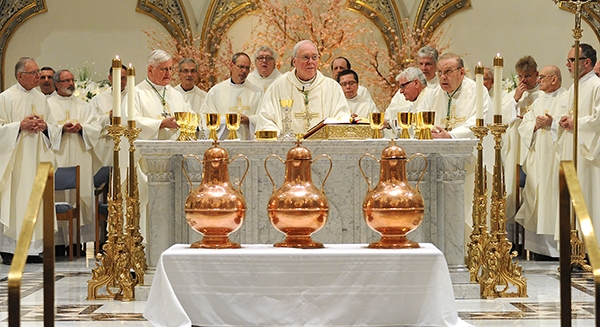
(299, 152)
(393, 151)
(216, 153)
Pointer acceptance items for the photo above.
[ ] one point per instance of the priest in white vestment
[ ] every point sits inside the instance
(413, 87)
(265, 72)
(27, 134)
(47, 81)
(514, 106)
(192, 94)
(315, 97)
(360, 106)
(81, 129)
(235, 95)
(588, 151)
(538, 130)
(340, 64)
(102, 104)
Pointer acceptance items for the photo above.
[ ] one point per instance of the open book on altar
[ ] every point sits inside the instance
(340, 129)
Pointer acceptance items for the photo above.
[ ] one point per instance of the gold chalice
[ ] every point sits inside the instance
(181, 117)
(193, 122)
(286, 103)
(405, 121)
(213, 121)
(416, 126)
(232, 120)
(377, 119)
(427, 120)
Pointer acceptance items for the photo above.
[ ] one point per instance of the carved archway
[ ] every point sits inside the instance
(14, 13)
(171, 14)
(432, 13)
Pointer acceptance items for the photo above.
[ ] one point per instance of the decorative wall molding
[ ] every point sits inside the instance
(432, 13)
(171, 14)
(14, 13)
(220, 15)
(590, 13)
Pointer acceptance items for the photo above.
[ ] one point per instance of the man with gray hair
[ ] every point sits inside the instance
(315, 97)
(188, 74)
(427, 59)
(265, 72)
(27, 134)
(156, 101)
(413, 87)
(80, 133)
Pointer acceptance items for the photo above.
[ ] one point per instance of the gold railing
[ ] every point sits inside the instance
(571, 196)
(43, 188)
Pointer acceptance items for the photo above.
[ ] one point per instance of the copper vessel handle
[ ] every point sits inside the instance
(267, 169)
(185, 172)
(246, 172)
(362, 171)
(329, 172)
(424, 168)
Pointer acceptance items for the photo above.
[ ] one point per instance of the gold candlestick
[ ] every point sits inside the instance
(480, 235)
(498, 270)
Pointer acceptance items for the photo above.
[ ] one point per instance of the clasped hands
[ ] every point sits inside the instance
(33, 124)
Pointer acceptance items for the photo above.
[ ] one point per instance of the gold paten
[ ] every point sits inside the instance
(393, 208)
(298, 208)
(343, 132)
(216, 208)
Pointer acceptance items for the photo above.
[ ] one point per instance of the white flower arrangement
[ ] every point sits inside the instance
(85, 85)
(510, 83)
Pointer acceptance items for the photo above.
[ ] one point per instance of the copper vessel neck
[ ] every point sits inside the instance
(215, 172)
(297, 170)
(392, 170)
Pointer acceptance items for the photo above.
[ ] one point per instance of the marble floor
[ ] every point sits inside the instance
(540, 308)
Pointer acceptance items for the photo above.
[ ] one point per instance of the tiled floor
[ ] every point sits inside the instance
(540, 308)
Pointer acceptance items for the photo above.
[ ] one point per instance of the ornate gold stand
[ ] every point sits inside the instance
(480, 235)
(498, 270)
(121, 251)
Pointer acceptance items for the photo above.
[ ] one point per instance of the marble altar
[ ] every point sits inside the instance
(442, 188)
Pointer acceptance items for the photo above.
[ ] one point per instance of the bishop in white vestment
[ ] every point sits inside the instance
(265, 72)
(315, 97)
(27, 134)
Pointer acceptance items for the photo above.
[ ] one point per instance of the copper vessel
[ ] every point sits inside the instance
(216, 208)
(298, 208)
(393, 208)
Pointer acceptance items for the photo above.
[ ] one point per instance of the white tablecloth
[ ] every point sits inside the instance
(340, 285)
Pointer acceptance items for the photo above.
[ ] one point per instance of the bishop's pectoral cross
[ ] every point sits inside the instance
(451, 120)
(239, 108)
(306, 114)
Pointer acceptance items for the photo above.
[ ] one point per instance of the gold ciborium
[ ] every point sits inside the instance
(298, 208)
(377, 119)
(216, 208)
(213, 121)
(181, 117)
(232, 121)
(393, 208)
(404, 122)
(266, 135)
(426, 119)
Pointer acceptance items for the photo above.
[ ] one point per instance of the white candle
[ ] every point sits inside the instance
(498, 64)
(131, 92)
(116, 85)
(479, 91)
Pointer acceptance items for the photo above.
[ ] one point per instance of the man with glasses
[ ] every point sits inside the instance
(46, 81)
(360, 106)
(588, 128)
(156, 100)
(188, 74)
(514, 106)
(235, 95)
(315, 97)
(538, 131)
(265, 72)
(340, 64)
(80, 133)
(413, 87)
(27, 134)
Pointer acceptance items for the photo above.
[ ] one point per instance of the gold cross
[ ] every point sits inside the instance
(67, 118)
(307, 116)
(240, 107)
(452, 119)
(524, 109)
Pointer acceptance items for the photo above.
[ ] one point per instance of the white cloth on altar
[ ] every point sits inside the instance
(340, 285)
(263, 82)
(325, 100)
(539, 210)
(588, 152)
(195, 97)
(21, 153)
(77, 149)
(227, 97)
(514, 150)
